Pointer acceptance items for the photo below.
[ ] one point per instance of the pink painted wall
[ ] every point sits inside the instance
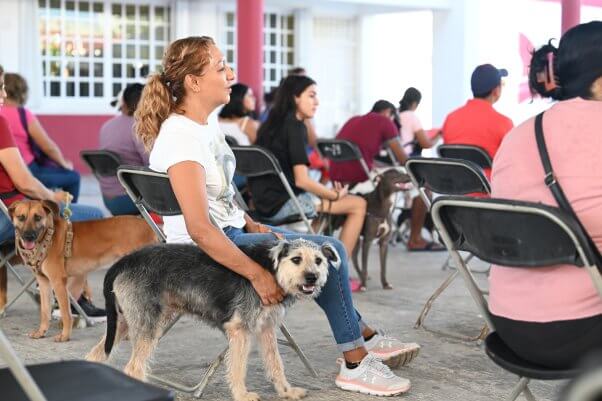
(74, 133)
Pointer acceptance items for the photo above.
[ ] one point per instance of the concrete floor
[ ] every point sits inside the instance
(446, 369)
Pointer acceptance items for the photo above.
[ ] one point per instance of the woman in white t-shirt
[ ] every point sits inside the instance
(235, 117)
(177, 123)
(412, 133)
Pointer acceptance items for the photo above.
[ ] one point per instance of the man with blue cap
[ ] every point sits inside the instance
(477, 122)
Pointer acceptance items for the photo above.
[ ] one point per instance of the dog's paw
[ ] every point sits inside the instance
(293, 393)
(248, 396)
(37, 334)
(61, 338)
(387, 286)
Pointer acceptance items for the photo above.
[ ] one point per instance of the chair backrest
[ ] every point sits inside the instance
(231, 141)
(255, 161)
(151, 192)
(447, 176)
(340, 150)
(472, 153)
(512, 233)
(103, 163)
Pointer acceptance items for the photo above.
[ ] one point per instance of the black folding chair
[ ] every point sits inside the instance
(340, 150)
(151, 192)
(255, 161)
(446, 177)
(231, 141)
(519, 235)
(103, 163)
(472, 153)
(70, 381)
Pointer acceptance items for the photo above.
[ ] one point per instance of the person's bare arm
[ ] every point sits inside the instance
(189, 185)
(24, 181)
(423, 139)
(48, 146)
(251, 130)
(398, 151)
(304, 181)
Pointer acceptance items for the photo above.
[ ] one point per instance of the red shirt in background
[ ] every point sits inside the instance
(477, 123)
(369, 132)
(6, 184)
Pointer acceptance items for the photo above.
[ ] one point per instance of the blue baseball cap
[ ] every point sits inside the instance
(485, 78)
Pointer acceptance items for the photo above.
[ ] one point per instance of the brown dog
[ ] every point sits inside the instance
(42, 240)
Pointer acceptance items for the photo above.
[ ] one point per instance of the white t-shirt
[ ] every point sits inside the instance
(182, 139)
(409, 125)
(233, 129)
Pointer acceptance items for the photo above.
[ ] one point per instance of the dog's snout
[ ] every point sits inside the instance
(29, 235)
(311, 278)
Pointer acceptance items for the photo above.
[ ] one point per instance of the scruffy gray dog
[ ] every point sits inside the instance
(146, 290)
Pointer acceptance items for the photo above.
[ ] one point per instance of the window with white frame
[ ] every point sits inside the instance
(278, 46)
(92, 49)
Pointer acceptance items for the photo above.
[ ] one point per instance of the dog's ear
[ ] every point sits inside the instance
(280, 251)
(331, 254)
(12, 207)
(51, 207)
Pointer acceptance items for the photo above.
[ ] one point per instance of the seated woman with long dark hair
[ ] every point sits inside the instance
(285, 135)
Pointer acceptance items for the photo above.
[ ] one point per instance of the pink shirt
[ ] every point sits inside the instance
(11, 114)
(573, 133)
(409, 125)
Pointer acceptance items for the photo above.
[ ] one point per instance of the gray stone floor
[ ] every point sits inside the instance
(446, 369)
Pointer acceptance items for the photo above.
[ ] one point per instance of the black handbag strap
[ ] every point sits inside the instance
(552, 183)
(23, 118)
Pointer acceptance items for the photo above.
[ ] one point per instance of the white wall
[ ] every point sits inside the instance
(396, 53)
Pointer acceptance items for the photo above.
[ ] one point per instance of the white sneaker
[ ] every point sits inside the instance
(391, 351)
(371, 377)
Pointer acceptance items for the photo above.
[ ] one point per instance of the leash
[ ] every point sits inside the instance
(67, 213)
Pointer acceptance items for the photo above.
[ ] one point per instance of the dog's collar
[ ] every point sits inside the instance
(34, 257)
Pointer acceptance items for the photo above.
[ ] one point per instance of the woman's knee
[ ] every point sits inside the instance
(359, 204)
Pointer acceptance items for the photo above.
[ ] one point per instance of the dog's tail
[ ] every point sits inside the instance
(111, 304)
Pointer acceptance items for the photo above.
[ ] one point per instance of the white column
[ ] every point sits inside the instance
(304, 31)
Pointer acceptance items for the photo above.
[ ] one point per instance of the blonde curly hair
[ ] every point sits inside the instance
(164, 92)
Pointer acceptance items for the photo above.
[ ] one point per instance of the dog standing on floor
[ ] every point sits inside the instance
(145, 291)
(377, 223)
(44, 242)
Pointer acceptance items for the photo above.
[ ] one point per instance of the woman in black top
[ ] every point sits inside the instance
(285, 135)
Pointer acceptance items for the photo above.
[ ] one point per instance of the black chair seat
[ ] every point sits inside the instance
(293, 218)
(81, 381)
(507, 359)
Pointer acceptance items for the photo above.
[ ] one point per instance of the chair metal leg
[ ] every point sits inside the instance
(30, 292)
(80, 311)
(196, 390)
(420, 322)
(23, 289)
(290, 342)
(522, 387)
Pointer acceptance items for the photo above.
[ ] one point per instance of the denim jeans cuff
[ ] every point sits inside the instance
(350, 346)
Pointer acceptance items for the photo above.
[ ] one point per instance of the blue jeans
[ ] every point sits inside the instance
(120, 205)
(335, 299)
(57, 177)
(78, 213)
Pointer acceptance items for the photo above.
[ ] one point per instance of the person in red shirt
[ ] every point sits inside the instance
(477, 122)
(371, 132)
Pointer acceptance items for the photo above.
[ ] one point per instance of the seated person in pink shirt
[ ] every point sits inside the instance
(42, 155)
(552, 316)
(117, 135)
(371, 132)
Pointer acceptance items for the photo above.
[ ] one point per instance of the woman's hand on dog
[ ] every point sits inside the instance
(266, 287)
(61, 197)
(258, 228)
